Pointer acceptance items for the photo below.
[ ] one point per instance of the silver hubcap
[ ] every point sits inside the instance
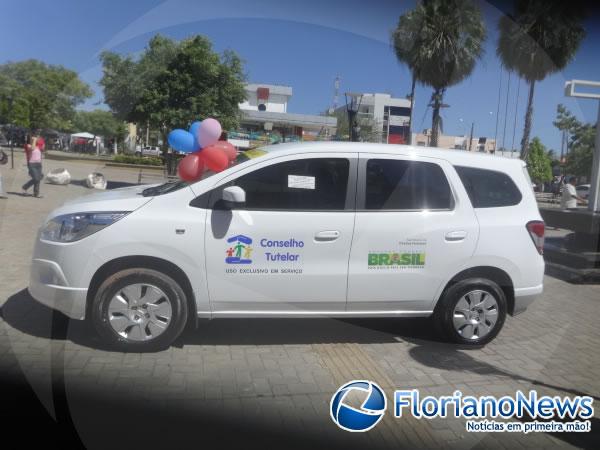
(475, 314)
(140, 312)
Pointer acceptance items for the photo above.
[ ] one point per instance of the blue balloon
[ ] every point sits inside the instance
(182, 140)
(194, 130)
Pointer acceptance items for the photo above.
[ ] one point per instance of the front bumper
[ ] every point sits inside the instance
(49, 286)
(524, 297)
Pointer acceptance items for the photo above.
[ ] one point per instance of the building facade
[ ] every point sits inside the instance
(478, 144)
(265, 119)
(386, 117)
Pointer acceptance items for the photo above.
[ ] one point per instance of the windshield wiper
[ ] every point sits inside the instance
(165, 188)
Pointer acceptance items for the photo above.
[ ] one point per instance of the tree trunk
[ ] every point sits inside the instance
(170, 168)
(528, 117)
(412, 106)
(435, 120)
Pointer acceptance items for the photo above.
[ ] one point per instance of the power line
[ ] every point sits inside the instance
(506, 112)
(424, 116)
(498, 111)
(512, 145)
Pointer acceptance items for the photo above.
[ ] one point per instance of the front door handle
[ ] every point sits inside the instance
(455, 236)
(328, 235)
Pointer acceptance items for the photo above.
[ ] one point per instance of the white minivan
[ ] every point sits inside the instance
(301, 230)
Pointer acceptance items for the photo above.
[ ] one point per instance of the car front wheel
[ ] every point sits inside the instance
(139, 310)
(472, 312)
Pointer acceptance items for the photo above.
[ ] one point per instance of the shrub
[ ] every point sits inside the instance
(130, 159)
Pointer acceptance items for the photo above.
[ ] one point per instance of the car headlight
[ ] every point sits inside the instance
(73, 227)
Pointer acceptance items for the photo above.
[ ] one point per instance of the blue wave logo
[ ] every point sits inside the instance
(364, 418)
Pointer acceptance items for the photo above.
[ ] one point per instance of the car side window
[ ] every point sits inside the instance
(489, 188)
(393, 184)
(313, 184)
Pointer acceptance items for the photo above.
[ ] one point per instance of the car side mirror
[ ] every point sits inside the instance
(233, 197)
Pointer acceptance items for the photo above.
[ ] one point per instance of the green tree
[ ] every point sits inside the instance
(580, 143)
(125, 79)
(43, 96)
(440, 41)
(100, 123)
(565, 122)
(539, 38)
(174, 83)
(539, 162)
(405, 41)
(581, 154)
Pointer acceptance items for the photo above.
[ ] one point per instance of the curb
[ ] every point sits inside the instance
(73, 158)
(574, 276)
(134, 166)
(106, 161)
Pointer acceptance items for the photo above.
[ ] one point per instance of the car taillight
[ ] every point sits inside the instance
(536, 230)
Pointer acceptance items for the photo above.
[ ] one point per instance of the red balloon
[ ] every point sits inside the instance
(228, 148)
(214, 158)
(190, 168)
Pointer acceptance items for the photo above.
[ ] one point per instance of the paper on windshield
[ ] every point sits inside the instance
(301, 182)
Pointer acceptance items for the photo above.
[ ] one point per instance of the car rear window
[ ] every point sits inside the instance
(489, 188)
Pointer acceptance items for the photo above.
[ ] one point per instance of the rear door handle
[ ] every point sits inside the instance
(328, 235)
(454, 236)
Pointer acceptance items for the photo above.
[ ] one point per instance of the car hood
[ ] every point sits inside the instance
(124, 199)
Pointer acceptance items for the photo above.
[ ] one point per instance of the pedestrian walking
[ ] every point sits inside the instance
(33, 153)
(569, 195)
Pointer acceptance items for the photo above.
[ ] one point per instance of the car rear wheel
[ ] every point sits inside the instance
(139, 310)
(472, 311)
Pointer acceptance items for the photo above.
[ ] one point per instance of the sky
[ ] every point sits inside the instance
(304, 44)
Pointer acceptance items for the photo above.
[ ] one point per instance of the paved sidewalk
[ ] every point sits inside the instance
(268, 382)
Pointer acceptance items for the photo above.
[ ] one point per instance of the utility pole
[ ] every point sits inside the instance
(412, 106)
(471, 136)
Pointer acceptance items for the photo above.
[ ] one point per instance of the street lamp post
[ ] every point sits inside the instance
(570, 86)
(352, 108)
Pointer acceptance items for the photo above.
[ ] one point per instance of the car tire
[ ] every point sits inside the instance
(139, 310)
(138, 154)
(471, 312)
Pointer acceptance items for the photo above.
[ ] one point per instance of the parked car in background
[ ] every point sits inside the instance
(149, 150)
(583, 190)
(3, 141)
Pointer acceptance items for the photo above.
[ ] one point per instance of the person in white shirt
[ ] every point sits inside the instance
(569, 195)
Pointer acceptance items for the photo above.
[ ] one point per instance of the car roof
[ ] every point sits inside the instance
(456, 157)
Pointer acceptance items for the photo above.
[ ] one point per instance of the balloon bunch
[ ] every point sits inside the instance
(204, 148)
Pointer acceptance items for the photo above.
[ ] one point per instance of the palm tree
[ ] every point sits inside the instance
(405, 40)
(440, 41)
(540, 38)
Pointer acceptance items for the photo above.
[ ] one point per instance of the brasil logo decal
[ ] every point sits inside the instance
(239, 251)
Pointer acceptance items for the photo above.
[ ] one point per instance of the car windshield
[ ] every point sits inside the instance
(175, 185)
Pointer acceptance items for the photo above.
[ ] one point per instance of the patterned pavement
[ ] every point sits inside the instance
(267, 383)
